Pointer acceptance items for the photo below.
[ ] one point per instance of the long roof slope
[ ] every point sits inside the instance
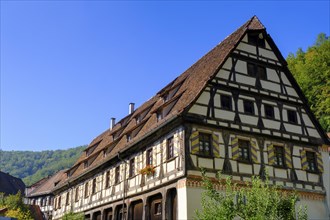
(143, 121)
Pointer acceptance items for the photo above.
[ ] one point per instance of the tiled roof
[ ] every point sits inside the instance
(185, 88)
(10, 184)
(47, 185)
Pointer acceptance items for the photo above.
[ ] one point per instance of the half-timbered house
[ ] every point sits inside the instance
(237, 110)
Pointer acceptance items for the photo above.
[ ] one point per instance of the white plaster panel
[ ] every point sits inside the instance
(267, 53)
(205, 162)
(245, 79)
(196, 109)
(228, 115)
(241, 66)
(312, 177)
(272, 75)
(245, 38)
(256, 168)
(313, 132)
(307, 120)
(227, 64)
(245, 168)
(296, 150)
(249, 119)
(247, 48)
(288, 184)
(204, 98)
(296, 163)
(281, 173)
(218, 162)
(270, 86)
(171, 166)
(285, 79)
(291, 91)
(270, 170)
(301, 175)
(292, 128)
(234, 165)
(224, 74)
(271, 124)
(217, 100)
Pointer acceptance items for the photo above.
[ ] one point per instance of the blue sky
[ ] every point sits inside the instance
(67, 67)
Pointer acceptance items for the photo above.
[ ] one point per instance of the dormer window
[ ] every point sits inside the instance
(129, 138)
(256, 39)
(138, 119)
(166, 97)
(159, 115)
(85, 164)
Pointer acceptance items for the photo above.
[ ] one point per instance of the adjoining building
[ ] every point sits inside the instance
(10, 185)
(238, 109)
(40, 194)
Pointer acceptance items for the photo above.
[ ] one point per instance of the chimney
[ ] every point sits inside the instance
(130, 108)
(112, 123)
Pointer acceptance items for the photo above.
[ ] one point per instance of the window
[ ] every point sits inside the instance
(158, 208)
(159, 115)
(59, 202)
(205, 144)
(77, 194)
(107, 179)
(94, 186)
(269, 111)
(86, 190)
(170, 148)
(256, 71)
(132, 167)
(311, 160)
(67, 199)
(279, 156)
(226, 102)
(244, 150)
(128, 136)
(292, 116)
(85, 164)
(250, 69)
(117, 173)
(256, 39)
(248, 107)
(262, 72)
(149, 157)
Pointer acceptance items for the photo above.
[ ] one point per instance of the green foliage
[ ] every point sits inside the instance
(311, 69)
(33, 166)
(15, 205)
(73, 216)
(257, 200)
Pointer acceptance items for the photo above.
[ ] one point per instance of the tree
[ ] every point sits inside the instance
(311, 69)
(15, 206)
(257, 200)
(73, 216)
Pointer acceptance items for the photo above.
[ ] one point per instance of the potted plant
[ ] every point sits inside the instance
(148, 170)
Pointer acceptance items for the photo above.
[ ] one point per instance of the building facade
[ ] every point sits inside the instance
(237, 110)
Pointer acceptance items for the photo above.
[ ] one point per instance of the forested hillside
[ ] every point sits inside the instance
(311, 69)
(32, 166)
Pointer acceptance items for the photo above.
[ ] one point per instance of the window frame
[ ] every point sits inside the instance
(244, 156)
(223, 102)
(247, 102)
(117, 175)
(131, 168)
(279, 153)
(86, 190)
(268, 108)
(94, 186)
(311, 159)
(149, 156)
(255, 40)
(205, 138)
(170, 148)
(290, 114)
